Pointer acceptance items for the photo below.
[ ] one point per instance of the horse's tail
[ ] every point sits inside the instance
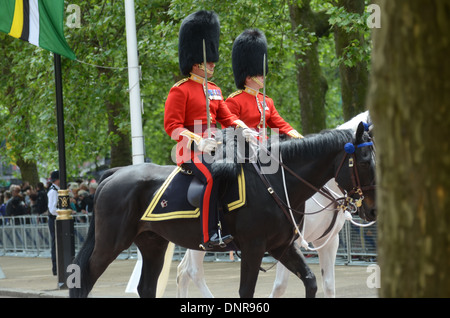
(82, 289)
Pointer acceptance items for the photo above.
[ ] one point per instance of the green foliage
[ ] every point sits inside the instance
(351, 22)
(27, 108)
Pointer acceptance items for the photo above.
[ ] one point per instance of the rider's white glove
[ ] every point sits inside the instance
(250, 135)
(207, 145)
(295, 134)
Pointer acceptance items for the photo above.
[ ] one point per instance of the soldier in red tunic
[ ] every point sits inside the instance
(186, 118)
(247, 103)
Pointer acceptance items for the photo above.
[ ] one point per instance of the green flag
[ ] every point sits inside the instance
(39, 22)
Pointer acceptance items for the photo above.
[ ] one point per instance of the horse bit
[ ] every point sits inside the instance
(357, 188)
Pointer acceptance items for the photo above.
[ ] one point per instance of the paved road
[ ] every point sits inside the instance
(31, 277)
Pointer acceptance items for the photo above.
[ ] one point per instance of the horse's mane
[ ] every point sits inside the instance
(224, 167)
(309, 147)
(313, 145)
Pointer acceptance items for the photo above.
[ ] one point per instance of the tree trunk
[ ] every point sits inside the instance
(409, 102)
(354, 79)
(312, 85)
(28, 171)
(121, 143)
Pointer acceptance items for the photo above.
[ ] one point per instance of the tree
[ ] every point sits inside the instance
(312, 22)
(351, 50)
(96, 102)
(102, 42)
(22, 120)
(312, 85)
(409, 101)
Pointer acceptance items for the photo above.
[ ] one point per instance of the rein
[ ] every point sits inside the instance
(349, 149)
(357, 188)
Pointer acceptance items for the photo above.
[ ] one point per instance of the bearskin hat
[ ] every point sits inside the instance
(247, 56)
(194, 28)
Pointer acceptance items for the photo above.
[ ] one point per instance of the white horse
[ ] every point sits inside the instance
(320, 229)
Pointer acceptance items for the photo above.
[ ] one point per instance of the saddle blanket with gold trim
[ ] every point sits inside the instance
(170, 201)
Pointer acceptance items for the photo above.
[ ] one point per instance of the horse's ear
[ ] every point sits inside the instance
(359, 133)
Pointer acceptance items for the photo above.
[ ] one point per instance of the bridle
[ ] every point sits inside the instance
(347, 202)
(350, 149)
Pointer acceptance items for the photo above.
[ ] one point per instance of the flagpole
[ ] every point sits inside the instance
(60, 121)
(137, 140)
(64, 225)
(137, 137)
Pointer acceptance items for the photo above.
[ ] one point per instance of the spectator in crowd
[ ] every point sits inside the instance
(33, 206)
(83, 201)
(90, 201)
(52, 196)
(84, 186)
(41, 200)
(26, 191)
(16, 205)
(73, 202)
(25, 186)
(4, 197)
(73, 195)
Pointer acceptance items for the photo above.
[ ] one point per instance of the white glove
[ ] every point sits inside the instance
(295, 134)
(250, 135)
(207, 145)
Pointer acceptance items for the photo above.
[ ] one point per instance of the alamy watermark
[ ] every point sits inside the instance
(232, 147)
(374, 19)
(374, 278)
(74, 278)
(73, 19)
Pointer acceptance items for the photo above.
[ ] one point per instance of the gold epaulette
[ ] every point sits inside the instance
(181, 82)
(235, 93)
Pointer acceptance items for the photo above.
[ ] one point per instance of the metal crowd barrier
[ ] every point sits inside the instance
(29, 236)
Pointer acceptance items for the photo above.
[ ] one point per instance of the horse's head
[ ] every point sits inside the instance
(356, 174)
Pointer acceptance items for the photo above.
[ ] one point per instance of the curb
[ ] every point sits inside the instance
(18, 293)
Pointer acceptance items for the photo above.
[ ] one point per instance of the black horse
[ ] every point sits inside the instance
(258, 227)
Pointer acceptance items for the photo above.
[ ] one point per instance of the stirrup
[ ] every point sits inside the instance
(222, 244)
(213, 242)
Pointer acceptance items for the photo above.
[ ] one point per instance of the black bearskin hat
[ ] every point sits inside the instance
(247, 56)
(194, 28)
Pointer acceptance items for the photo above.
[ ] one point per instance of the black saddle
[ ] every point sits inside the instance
(180, 196)
(194, 193)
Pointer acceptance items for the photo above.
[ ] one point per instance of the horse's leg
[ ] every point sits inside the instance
(100, 260)
(96, 255)
(281, 281)
(327, 259)
(153, 249)
(93, 266)
(293, 259)
(191, 268)
(250, 266)
(183, 278)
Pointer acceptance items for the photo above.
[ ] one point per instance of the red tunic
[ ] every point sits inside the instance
(245, 106)
(186, 106)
